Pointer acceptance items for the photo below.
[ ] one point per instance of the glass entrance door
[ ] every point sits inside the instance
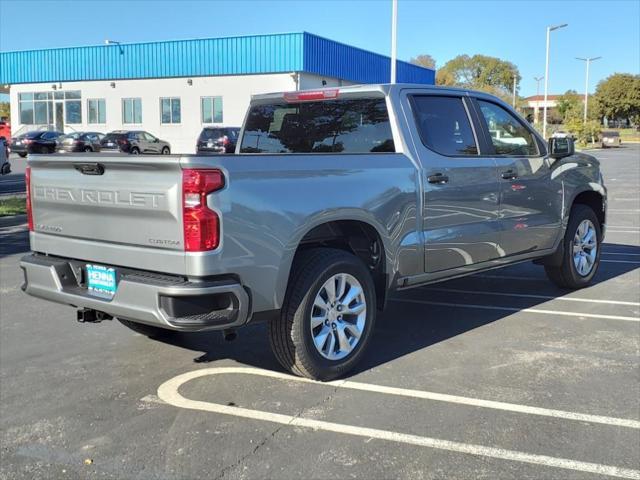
(59, 116)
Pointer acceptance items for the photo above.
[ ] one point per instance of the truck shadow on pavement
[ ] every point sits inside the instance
(421, 324)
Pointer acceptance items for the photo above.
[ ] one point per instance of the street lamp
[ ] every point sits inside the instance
(586, 82)
(537, 79)
(546, 78)
(394, 38)
(113, 42)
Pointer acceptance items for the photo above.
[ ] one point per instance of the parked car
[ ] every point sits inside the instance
(217, 140)
(37, 141)
(336, 199)
(80, 142)
(563, 134)
(610, 139)
(5, 166)
(134, 142)
(5, 129)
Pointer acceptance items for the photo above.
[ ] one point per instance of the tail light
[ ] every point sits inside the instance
(27, 181)
(27, 141)
(225, 141)
(201, 225)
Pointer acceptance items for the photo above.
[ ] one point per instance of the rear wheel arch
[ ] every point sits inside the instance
(357, 237)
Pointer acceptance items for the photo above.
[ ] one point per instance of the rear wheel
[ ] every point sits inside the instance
(135, 151)
(88, 149)
(327, 316)
(581, 256)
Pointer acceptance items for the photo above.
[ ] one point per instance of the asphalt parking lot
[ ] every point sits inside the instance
(496, 376)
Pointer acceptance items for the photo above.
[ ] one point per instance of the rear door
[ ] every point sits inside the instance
(460, 213)
(530, 200)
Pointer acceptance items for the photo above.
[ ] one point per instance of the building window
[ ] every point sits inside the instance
(170, 110)
(131, 110)
(211, 108)
(96, 110)
(37, 108)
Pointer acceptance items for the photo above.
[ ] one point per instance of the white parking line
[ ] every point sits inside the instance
(632, 262)
(169, 393)
(621, 231)
(621, 253)
(514, 309)
(529, 295)
(624, 210)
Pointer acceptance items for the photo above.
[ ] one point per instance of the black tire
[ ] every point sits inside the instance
(566, 275)
(22, 155)
(166, 151)
(88, 149)
(290, 333)
(134, 151)
(146, 330)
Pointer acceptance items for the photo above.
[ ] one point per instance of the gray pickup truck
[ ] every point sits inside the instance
(334, 199)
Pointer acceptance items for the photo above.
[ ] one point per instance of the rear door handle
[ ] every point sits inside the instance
(438, 178)
(509, 175)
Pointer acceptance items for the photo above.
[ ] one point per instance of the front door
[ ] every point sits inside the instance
(530, 200)
(460, 214)
(59, 116)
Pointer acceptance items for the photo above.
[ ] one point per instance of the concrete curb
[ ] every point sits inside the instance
(13, 221)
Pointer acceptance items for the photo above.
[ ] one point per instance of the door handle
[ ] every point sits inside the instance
(509, 175)
(438, 178)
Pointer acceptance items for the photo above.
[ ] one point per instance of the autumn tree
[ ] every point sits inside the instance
(479, 72)
(424, 60)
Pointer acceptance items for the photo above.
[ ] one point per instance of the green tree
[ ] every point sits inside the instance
(5, 110)
(479, 72)
(570, 105)
(618, 96)
(424, 60)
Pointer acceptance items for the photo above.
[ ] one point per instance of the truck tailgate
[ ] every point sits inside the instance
(120, 209)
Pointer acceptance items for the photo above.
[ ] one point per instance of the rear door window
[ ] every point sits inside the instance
(327, 126)
(444, 125)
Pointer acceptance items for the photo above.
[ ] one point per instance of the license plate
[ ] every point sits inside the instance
(209, 144)
(109, 144)
(101, 279)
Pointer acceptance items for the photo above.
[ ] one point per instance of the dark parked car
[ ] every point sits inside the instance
(134, 142)
(40, 141)
(80, 142)
(218, 140)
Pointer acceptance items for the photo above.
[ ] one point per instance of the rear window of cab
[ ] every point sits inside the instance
(327, 126)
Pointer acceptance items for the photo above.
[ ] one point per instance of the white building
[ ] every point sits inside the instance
(173, 89)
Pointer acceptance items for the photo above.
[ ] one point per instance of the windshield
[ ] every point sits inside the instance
(329, 126)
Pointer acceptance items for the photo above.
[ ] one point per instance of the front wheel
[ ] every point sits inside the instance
(581, 255)
(166, 151)
(327, 317)
(135, 151)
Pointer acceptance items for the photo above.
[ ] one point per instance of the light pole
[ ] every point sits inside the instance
(394, 35)
(546, 78)
(537, 79)
(586, 82)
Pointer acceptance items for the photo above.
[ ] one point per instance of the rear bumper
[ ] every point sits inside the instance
(153, 299)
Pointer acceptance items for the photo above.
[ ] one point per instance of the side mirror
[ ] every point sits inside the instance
(561, 147)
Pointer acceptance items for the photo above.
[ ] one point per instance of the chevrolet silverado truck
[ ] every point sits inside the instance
(334, 199)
